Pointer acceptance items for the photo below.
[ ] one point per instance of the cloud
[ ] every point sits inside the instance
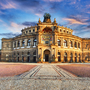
(1, 20)
(35, 6)
(7, 5)
(88, 26)
(14, 27)
(9, 35)
(29, 23)
(74, 21)
(52, 0)
(1, 12)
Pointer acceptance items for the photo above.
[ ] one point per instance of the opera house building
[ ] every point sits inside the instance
(46, 42)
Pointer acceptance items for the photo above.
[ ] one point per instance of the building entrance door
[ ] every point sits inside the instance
(46, 57)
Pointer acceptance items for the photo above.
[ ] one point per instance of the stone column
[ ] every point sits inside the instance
(73, 56)
(73, 44)
(56, 57)
(42, 55)
(31, 42)
(56, 39)
(68, 56)
(68, 44)
(77, 57)
(20, 43)
(13, 44)
(62, 56)
(62, 42)
(16, 44)
(36, 54)
(26, 42)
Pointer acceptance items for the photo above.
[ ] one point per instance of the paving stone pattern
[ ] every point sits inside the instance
(45, 77)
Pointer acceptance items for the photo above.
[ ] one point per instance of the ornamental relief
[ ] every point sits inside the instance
(46, 38)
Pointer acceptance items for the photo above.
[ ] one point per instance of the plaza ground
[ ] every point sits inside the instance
(44, 76)
(12, 69)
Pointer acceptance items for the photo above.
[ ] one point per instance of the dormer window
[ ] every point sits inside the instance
(29, 30)
(60, 30)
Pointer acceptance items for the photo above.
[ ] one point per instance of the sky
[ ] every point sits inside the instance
(15, 15)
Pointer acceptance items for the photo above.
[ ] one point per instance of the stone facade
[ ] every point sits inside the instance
(46, 42)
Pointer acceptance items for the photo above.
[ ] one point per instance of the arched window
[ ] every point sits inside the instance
(23, 43)
(59, 42)
(71, 44)
(28, 56)
(87, 46)
(18, 53)
(78, 45)
(34, 42)
(65, 43)
(75, 45)
(18, 43)
(14, 53)
(28, 53)
(58, 53)
(28, 42)
(15, 44)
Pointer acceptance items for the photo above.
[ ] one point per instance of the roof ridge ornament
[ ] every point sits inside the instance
(39, 21)
(54, 20)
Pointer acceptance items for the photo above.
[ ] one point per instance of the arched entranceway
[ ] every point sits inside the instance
(47, 55)
(79, 58)
(75, 57)
(59, 57)
(71, 57)
(65, 57)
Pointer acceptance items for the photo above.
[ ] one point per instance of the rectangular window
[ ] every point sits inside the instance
(46, 42)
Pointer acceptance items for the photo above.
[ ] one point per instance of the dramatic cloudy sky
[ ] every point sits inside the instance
(18, 14)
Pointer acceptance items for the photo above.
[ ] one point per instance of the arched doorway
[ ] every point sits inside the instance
(34, 56)
(79, 58)
(65, 57)
(71, 57)
(75, 57)
(47, 55)
(59, 57)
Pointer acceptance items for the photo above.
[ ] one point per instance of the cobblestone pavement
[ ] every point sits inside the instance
(45, 77)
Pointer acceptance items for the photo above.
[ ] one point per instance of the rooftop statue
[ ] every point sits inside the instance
(47, 15)
(47, 18)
